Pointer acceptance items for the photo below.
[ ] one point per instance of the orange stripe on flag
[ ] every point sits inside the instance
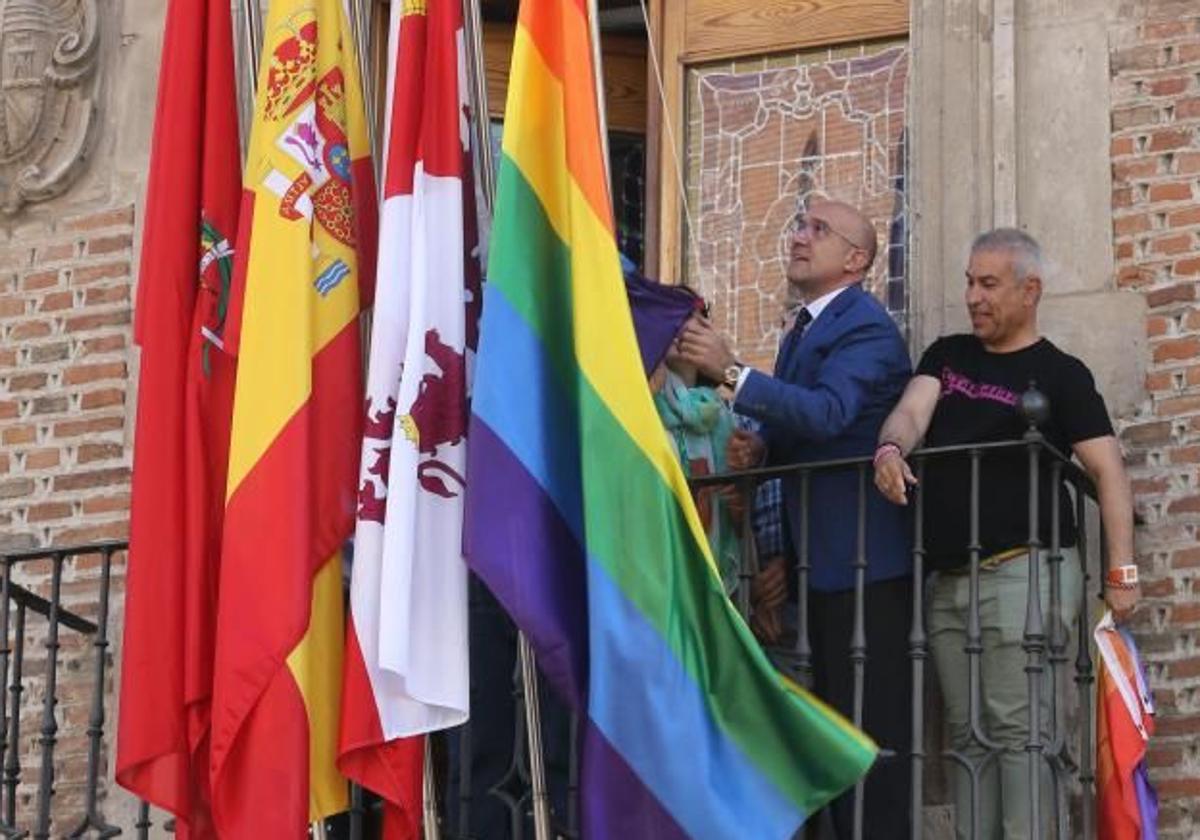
(559, 30)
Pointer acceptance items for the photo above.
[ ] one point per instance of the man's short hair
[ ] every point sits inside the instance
(1025, 250)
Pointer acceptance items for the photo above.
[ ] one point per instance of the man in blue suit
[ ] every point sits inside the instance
(841, 369)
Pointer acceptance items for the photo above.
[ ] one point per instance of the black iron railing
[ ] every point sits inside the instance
(1065, 750)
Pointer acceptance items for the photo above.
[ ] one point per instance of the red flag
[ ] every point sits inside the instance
(184, 408)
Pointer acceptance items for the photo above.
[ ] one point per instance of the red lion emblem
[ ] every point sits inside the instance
(437, 417)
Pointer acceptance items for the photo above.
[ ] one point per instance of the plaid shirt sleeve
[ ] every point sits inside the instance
(768, 519)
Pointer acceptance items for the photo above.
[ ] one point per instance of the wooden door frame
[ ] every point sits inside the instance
(685, 33)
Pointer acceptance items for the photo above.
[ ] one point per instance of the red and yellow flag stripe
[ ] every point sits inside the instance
(310, 221)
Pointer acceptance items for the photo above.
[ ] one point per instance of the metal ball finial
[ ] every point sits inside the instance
(1035, 406)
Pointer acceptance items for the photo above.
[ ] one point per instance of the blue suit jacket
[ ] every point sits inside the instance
(831, 392)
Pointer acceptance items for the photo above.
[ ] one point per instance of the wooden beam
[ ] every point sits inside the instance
(672, 154)
(624, 76)
(717, 29)
(654, 142)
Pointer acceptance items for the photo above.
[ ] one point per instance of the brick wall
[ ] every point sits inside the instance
(1156, 236)
(65, 389)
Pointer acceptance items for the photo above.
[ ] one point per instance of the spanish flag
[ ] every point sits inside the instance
(308, 219)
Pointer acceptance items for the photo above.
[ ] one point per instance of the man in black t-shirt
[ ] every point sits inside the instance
(967, 389)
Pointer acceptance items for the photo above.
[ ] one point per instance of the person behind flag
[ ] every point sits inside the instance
(184, 410)
(407, 663)
(840, 370)
(579, 518)
(304, 273)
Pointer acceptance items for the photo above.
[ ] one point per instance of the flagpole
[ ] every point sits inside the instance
(431, 829)
(477, 84)
(360, 27)
(601, 105)
(252, 22)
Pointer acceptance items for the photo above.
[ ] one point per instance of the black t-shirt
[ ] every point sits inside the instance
(979, 402)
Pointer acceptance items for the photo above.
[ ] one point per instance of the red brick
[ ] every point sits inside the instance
(30, 330)
(1177, 348)
(42, 459)
(92, 533)
(1129, 225)
(1132, 276)
(1183, 218)
(55, 252)
(1150, 486)
(1187, 109)
(40, 280)
(91, 426)
(79, 323)
(89, 452)
(1180, 243)
(104, 344)
(1187, 504)
(1157, 325)
(119, 217)
(1141, 57)
(1166, 139)
(9, 409)
(117, 503)
(112, 244)
(1160, 588)
(1171, 788)
(16, 488)
(86, 480)
(11, 307)
(1185, 613)
(1178, 406)
(1186, 558)
(1186, 455)
(1162, 30)
(28, 381)
(1124, 250)
(106, 294)
(57, 301)
(1186, 268)
(18, 434)
(56, 404)
(1121, 146)
(1171, 294)
(8, 358)
(102, 399)
(1170, 86)
(94, 372)
(1187, 163)
(1135, 116)
(1122, 197)
(1171, 192)
(104, 271)
(1147, 434)
(1129, 169)
(48, 511)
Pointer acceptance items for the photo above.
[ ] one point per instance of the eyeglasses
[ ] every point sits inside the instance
(817, 229)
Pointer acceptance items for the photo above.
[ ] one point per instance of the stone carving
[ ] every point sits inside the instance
(49, 51)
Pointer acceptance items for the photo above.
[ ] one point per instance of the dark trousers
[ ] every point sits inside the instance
(887, 697)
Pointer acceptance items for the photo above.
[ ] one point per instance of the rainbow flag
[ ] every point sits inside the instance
(307, 244)
(579, 518)
(1126, 804)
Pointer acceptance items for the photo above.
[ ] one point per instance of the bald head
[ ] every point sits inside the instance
(849, 223)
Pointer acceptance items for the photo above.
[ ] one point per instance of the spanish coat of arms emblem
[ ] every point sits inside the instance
(49, 51)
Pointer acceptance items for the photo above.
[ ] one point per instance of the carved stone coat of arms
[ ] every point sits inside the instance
(49, 51)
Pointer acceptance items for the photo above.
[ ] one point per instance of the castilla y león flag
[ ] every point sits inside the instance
(184, 406)
(308, 234)
(406, 653)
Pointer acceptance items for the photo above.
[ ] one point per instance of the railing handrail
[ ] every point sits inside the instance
(39, 605)
(1071, 471)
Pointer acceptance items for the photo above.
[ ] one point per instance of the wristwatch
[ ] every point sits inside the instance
(733, 373)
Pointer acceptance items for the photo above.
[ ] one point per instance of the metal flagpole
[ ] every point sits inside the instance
(360, 27)
(252, 20)
(598, 71)
(477, 83)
